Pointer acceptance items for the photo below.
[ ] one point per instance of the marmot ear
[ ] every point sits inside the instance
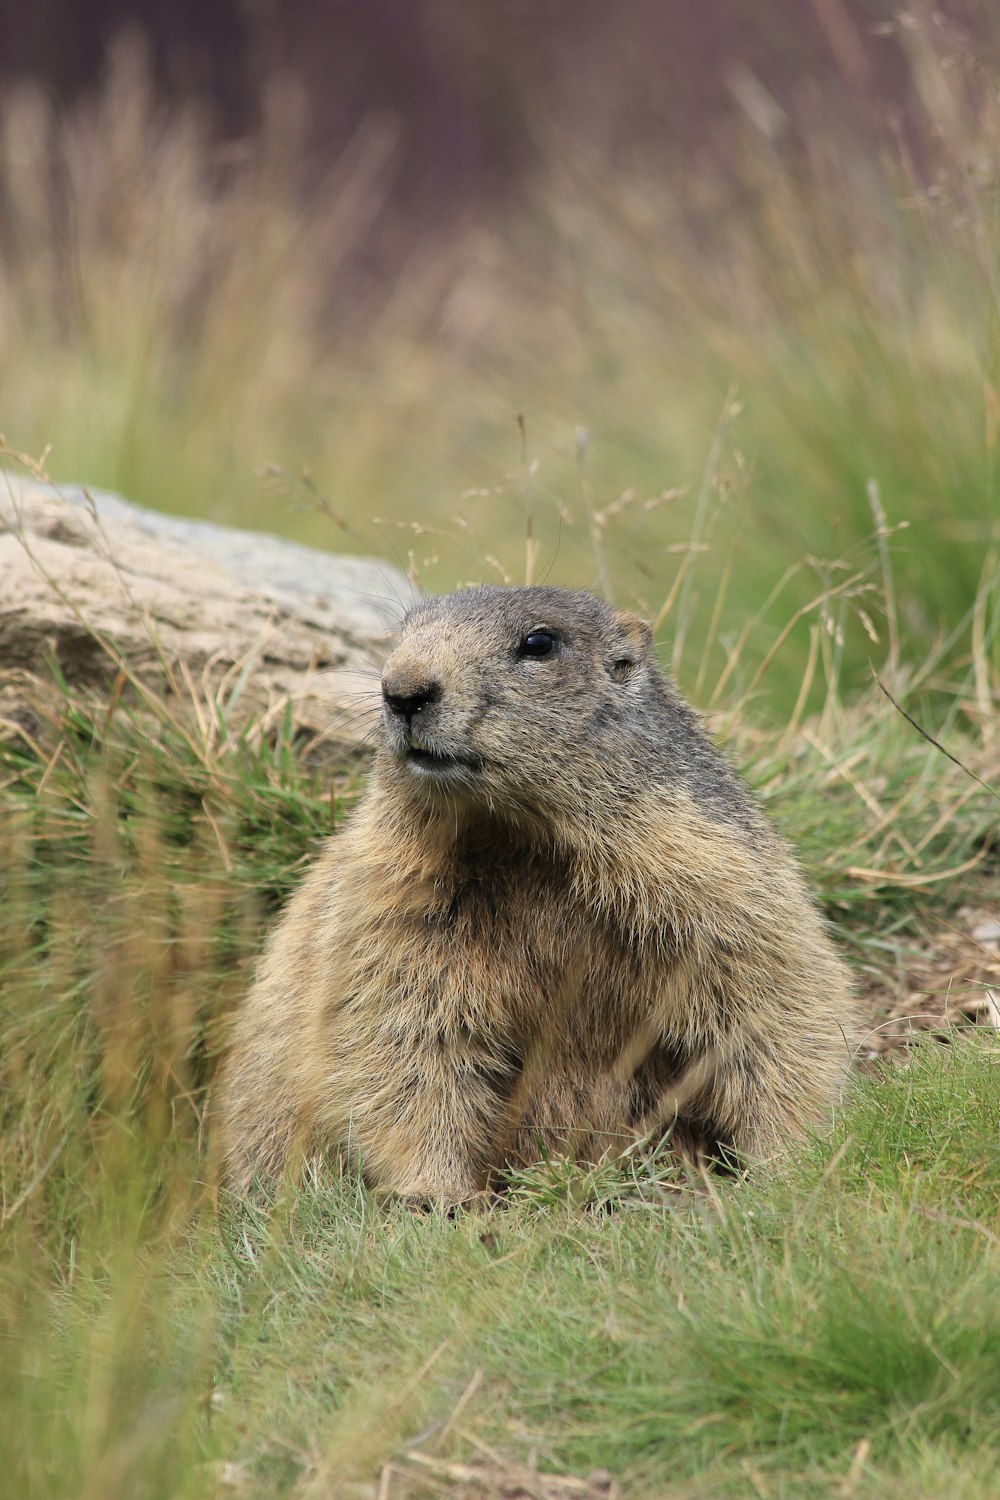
(635, 631)
(633, 645)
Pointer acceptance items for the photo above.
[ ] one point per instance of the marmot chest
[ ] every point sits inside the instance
(519, 926)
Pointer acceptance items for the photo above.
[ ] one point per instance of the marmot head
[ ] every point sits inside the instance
(525, 701)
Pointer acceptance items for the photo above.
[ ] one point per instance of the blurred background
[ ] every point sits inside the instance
(691, 301)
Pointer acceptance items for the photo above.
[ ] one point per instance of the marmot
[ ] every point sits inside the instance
(555, 919)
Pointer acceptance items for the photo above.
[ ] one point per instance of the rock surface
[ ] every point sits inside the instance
(198, 611)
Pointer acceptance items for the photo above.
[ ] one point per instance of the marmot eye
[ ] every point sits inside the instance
(538, 643)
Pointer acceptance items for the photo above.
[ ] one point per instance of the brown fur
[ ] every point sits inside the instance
(555, 919)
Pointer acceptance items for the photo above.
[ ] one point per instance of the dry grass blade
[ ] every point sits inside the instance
(33, 1184)
(932, 741)
(487, 1482)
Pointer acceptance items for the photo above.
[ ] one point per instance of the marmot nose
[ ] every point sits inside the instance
(410, 699)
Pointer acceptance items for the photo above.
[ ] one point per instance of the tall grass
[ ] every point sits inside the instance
(785, 341)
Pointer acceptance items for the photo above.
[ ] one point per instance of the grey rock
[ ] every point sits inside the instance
(249, 622)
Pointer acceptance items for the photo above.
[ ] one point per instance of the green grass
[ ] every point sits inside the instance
(771, 1328)
(762, 1336)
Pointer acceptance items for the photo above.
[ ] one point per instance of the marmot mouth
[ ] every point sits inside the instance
(433, 760)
